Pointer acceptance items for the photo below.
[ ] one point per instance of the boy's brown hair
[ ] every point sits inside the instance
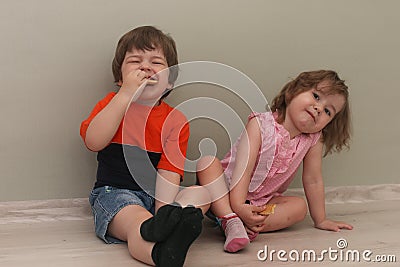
(146, 38)
(336, 134)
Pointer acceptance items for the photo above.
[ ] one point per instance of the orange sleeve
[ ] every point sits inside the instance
(99, 106)
(175, 144)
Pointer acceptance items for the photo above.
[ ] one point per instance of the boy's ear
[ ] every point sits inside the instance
(170, 86)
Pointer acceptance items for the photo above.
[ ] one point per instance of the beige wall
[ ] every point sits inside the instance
(55, 65)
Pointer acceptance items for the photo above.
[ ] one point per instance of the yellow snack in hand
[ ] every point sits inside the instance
(269, 209)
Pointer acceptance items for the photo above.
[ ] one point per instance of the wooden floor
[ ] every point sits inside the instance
(60, 233)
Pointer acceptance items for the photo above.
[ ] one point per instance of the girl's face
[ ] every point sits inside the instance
(154, 64)
(312, 110)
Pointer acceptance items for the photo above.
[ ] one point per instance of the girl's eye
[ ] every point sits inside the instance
(327, 111)
(316, 96)
(158, 63)
(134, 61)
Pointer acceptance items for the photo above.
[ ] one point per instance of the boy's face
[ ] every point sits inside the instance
(154, 64)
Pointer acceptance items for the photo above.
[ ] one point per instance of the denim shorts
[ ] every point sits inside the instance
(107, 201)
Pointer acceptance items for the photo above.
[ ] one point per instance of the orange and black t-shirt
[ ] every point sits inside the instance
(148, 139)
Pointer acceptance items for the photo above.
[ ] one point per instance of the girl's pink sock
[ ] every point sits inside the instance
(252, 236)
(235, 233)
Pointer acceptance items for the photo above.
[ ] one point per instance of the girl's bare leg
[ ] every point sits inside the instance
(211, 176)
(289, 210)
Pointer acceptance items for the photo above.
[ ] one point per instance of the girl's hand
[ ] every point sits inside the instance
(333, 225)
(250, 217)
(254, 230)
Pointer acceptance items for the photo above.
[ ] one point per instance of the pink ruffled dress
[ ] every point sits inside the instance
(278, 159)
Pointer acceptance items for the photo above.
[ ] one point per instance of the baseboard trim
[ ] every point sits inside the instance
(356, 193)
(78, 208)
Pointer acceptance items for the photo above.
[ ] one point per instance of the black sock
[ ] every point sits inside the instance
(172, 252)
(158, 228)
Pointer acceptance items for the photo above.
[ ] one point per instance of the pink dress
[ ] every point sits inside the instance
(278, 159)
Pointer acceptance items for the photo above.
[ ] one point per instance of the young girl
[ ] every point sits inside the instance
(310, 113)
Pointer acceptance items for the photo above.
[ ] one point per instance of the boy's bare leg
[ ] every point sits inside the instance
(127, 223)
(196, 196)
(126, 226)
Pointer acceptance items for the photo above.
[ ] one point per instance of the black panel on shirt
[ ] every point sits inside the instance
(118, 165)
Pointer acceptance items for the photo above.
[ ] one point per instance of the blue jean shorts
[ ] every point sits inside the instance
(107, 201)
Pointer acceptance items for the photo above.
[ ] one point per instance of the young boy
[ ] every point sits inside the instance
(141, 143)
